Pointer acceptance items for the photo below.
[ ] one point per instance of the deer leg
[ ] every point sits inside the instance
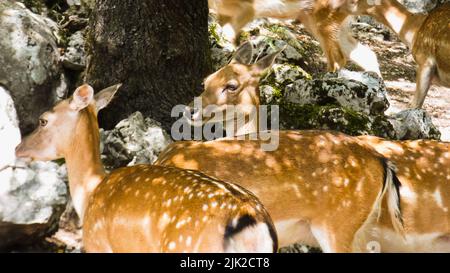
(360, 54)
(423, 82)
(351, 236)
(246, 15)
(232, 24)
(223, 19)
(334, 240)
(325, 33)
(330, 46)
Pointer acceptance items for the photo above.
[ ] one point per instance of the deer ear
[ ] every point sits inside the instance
(267, 61)
(82, 97)
(243, 54)
(104, 97)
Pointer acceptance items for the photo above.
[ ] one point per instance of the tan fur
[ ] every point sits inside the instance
(142, 208)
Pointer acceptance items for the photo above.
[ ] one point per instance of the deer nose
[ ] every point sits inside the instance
(20, 151)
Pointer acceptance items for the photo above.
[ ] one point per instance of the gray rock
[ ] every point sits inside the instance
(265, 37)
(32, 197)
(134, 140)
(268, 38)
(298, 248)
(9, 132)
(418, 6)
(30, 61)
(274, 84)
(221, 49)
(75, 55)
(361, 92)
(73, 2)
(89, 3)
(414, 124)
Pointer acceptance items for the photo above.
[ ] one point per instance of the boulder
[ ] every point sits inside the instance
(360, 92)
(9, 132)
(298, 248)
(33, 196)
(414, 124)
(75, 55)
(30, 65)
(135, 140)
(418, 6)
(350, 102)
(268, 36)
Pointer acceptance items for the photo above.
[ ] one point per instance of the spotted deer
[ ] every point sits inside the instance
(320, 188)
(324, 19)
(428, 36)
(423, 170)
(144, 208)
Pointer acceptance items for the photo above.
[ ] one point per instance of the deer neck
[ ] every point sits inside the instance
(84, 167)
(248, 123)
(404, 23)
(239, 128)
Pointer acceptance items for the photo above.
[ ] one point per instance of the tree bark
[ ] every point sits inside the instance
(158, 49)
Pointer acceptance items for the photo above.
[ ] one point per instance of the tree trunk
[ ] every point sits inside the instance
(158, 49)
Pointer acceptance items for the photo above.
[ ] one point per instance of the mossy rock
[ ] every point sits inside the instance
(329, 117)
(274, 83)
(221, 49)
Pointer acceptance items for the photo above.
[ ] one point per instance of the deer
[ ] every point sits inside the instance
(324, 19)
(422, 168)
(321, 188)
(143, 208)
(427, 35)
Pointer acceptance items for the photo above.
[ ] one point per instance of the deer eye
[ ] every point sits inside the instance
(43, 122)
(231, 87)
